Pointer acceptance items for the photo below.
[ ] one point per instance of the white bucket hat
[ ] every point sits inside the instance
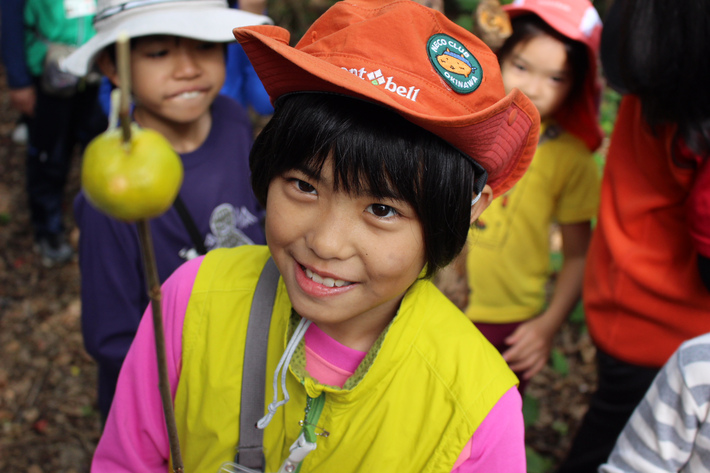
(205, 20)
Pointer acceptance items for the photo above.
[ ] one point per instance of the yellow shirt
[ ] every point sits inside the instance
(508, 259)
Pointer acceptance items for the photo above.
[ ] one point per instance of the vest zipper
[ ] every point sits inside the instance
(306, 441)
(314, 408)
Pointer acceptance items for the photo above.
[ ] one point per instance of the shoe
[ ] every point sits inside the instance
(54, 249)
(20, 134)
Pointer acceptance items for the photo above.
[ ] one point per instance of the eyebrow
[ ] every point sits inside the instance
(309, 171)
(561, 72)
(363, 189)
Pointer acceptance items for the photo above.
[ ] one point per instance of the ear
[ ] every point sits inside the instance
(108, 67)
(483, 203)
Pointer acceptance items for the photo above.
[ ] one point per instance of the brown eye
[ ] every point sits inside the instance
(382, 211)
(303, 186)
(157, 53)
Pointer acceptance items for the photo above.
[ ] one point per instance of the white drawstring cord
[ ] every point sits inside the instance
(284, 362)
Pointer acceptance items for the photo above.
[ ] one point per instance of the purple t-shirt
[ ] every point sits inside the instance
(217, 193)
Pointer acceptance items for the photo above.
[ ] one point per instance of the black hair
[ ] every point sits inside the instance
(529, 26)
(111, 48)
(662, 54)
(373, 149)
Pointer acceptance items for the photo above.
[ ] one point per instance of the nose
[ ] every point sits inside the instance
(187, 64)
(531, 88)
(332, 235)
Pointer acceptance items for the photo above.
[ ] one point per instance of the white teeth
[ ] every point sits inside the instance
(190, 95)
(328, 282)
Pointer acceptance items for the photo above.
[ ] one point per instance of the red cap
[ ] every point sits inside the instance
(578, 20)
(415, 61)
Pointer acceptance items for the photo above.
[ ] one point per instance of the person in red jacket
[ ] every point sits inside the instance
(647, 280)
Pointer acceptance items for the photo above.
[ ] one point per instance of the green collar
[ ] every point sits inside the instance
(298, 362)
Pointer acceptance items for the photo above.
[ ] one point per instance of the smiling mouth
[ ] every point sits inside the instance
(189, 95)
(328, 282)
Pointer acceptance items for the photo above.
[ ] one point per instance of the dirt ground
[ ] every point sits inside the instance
(48, 416)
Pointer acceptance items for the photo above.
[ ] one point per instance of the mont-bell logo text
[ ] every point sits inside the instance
(378, 78)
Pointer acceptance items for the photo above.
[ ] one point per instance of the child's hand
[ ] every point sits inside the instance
(23, 100)
(530, 346)
(257, 7)
(531, 343)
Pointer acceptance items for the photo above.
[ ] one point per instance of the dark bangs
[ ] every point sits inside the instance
(373, 150)
(376, 152)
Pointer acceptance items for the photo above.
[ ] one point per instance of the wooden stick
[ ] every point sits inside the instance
(153, 283)
(123, 58)
(149, 264)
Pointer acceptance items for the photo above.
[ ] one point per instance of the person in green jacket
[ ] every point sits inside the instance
(66, 113)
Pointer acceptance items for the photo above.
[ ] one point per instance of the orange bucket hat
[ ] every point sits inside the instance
(413, 60)
(578, 20)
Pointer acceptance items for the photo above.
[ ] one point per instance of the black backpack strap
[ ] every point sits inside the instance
(190, 225)
(251, 439)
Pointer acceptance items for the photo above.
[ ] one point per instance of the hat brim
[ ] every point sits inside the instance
(204, 21)
(489, 136)
(564, 27)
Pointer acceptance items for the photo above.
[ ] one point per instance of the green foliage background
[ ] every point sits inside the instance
(297, 15)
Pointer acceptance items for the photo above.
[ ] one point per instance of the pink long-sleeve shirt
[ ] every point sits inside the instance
(135, 439)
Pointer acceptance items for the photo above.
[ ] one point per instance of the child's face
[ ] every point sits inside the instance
(175, 80)
(346, 259)
(539, 68)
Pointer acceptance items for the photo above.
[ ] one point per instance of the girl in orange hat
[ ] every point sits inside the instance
(551, 57)
(376, 161)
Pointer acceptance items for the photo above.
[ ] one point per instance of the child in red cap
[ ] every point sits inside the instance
(551, 57)
(392, 132)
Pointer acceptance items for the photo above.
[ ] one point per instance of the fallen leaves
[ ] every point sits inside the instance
(48, 420)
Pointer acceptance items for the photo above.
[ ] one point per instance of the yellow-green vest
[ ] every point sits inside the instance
(412, 405)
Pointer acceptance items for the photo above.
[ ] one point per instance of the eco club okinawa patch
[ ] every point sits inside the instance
(454, 63)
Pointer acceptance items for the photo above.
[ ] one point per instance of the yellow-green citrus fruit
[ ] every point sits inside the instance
(131, 181)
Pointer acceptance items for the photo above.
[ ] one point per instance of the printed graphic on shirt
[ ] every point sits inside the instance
(494, 225)
(226, 223)
(79, 8)
(454, 63)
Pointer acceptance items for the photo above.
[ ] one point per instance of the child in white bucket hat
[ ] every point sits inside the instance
(177, 69)
(205, 20)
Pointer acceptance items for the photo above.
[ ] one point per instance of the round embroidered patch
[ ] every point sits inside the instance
(454, 63)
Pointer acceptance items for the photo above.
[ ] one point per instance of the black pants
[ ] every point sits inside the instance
(621, 387)
(58, 125)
